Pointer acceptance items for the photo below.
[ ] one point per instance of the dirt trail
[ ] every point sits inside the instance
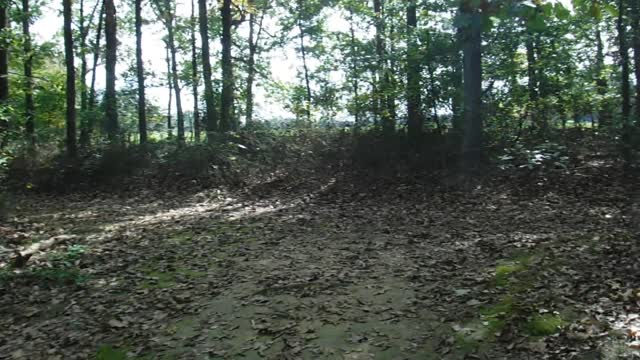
(324, 275)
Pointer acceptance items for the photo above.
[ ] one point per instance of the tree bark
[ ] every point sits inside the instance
(194, 73)
(414, 116)
(142, 103)
(170, 86)
(226, 118)
(110, 97)
(472, 149)
(383, 88)
(624, 62)
(305, 68)
(355, 83)
(209, 100)
(70, 89)
(4, 76)
(29, 114)
(85, 133)
(169, 19)
(532, 84)
(604, 117)
(254, 40)
(636, 55)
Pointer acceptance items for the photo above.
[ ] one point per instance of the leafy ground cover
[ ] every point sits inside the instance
(329, 270)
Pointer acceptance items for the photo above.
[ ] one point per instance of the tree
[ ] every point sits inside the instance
(254, 41)
(635, 26)
(142, 113)
(414, 116)
(472, 150)
(305, 67)
(623, 50)
(194, 72)
(29, 113)
(210, 106)
(87, 128)
(110, 99)
(4, 74)
(226, 114)
(166, 10)
(71, 80)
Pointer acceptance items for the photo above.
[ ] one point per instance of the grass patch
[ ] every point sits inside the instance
(544, 325)
(166, 279)
(107, 352)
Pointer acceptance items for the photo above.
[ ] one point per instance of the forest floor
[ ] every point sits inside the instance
(502, 270)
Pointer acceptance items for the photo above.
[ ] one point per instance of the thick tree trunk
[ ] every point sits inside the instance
(194, 73)
(70, 89)
(110, 97)
(4, 76)
(414, 115)
(85, 133)
(226, 117)
(29, 113)
(472, 150)
(142, 103)
(624, 62)
(209, 100)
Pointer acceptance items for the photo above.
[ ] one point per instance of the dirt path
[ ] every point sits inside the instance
(321, 275)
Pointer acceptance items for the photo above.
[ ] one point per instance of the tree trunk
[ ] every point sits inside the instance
(472, 150)
(604, 117)
(142, 103)
(251, 65)
(28, 79)
(354, 70)
(624, 62)
(170, 85)
(383, 88)
(194, 73)
(226, 118)
(110, 97)
(414, 116)
(305, 68)
(70, 89)
(4, 76)
(169, 18)
(210, 104)
(84, 90)
(532, 84)
(85, 133)
(457, 107)
(636, 55)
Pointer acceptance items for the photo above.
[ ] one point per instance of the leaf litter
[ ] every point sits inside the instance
(331, 273)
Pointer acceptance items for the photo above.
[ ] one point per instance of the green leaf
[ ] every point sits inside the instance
(562, 13)
(611, 9)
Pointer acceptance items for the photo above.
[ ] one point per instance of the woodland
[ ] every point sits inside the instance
(319, 179)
